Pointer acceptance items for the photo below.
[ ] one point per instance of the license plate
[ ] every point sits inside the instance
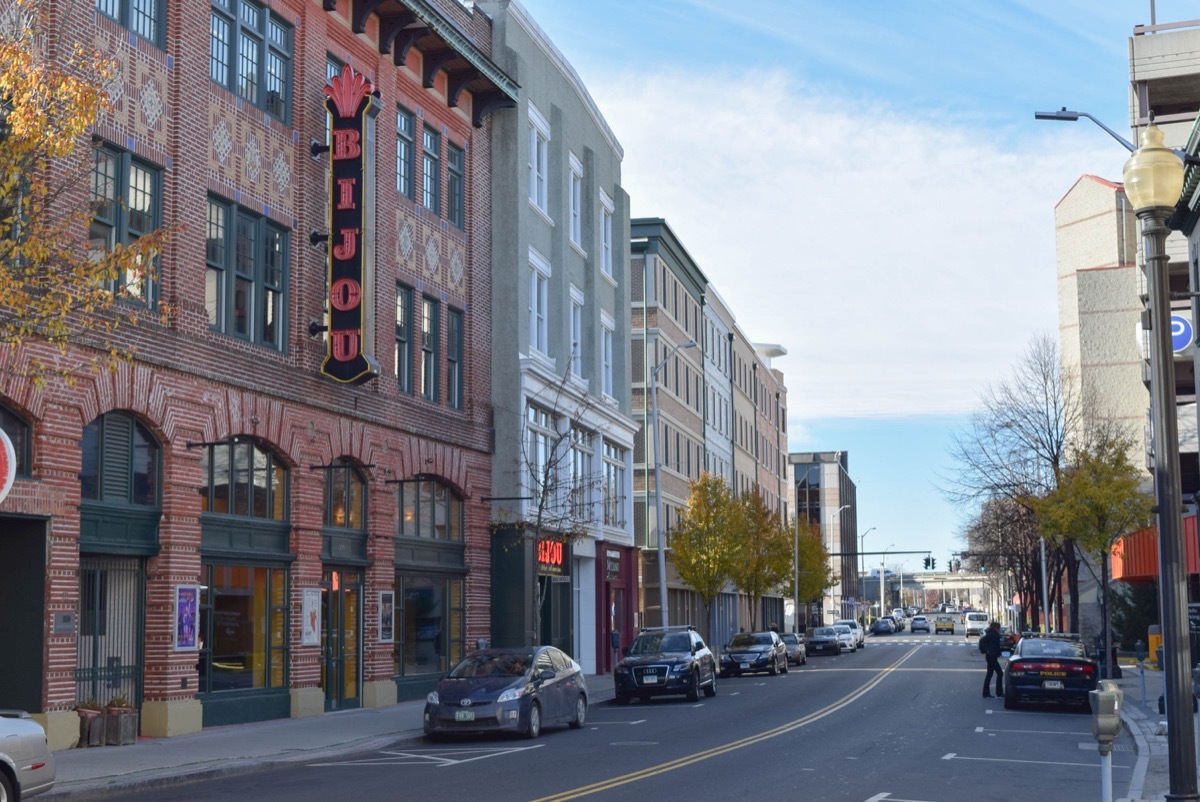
(650, 679)
(1052, 684)
(745, 666)
(464, 715)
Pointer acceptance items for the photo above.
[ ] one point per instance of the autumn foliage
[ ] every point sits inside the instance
(55, 287)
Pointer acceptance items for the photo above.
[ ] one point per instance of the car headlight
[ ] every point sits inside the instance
(432, 698)
(511, 695)
(679, 668)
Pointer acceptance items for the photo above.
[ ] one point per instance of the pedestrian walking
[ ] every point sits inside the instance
(989, 646)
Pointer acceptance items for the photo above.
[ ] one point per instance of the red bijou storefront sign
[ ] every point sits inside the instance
(351, 102)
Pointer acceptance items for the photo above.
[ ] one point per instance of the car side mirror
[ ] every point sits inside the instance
(546, 674)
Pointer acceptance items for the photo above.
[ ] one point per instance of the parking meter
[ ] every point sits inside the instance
(1195, 683)
(1106, 714)
(1139, 649)
(614, 638)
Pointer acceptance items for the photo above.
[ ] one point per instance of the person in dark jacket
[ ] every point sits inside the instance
(989, 645)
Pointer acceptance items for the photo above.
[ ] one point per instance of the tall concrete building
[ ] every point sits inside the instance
(564, 561)
(825, 497)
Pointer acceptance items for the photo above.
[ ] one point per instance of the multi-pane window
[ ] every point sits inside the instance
(121, 461)
(239, 477)
(539, 292)
(454, 358)
(539, 158)
(429, 348)
(576, 332)
(431, 173)
(247, 272)
(250, 53)
(404, 152)
(606, 355)
(456, 185)
(429, 508)
(614, 485)
(581, 474)
(126, 204)
(575, 199)
(345, 496)
(143, 17)
(606, 233)
(404, 302)
(243, 628)
(540, 434)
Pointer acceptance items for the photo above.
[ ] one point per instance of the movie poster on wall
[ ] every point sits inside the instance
(187, 617)
(310, 627)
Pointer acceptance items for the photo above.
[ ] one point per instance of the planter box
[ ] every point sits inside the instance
(121, 727)
(91, 729)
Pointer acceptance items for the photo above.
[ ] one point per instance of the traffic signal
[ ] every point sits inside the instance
(927, 563)
(933, 563)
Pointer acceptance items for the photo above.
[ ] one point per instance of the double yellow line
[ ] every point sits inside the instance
(687, 760)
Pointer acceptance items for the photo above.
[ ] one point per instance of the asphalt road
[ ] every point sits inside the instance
(902, 719)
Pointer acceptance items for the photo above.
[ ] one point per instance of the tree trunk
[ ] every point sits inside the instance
(1072, 563)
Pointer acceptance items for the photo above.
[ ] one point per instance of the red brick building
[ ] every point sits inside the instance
(225, 529)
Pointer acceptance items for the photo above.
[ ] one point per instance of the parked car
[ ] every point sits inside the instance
(824, 640)
(883, 626)
(846, 636)
(1008, 639)
(663, 661)
(516, 689)
(860, 635)
(921, 623)
(900, 616)
(943, 623)
(1049, 668)
(797, 650)
(976, 623)
(25, 753)
(752, 652)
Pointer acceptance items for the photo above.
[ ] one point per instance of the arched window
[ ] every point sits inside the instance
(345, 496)
(19, 432)
(430, 508)
(121, 461)
(240, 477)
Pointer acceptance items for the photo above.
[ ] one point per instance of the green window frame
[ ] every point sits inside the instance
(430, 509)
(246, 275)
(454, 358)
(345, 496)
(250, 54)
(239, 477)
(126, 205)
(143, 17)
(456, 185)
(121, 462)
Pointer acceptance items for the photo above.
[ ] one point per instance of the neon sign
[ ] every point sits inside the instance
(351, 103)
(551, 557)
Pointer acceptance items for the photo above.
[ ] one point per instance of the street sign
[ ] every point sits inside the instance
(1181, 332)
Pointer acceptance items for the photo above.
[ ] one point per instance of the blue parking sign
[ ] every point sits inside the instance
(1181, 332)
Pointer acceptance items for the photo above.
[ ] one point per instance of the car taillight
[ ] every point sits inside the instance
(1017, 666)
(1088, 670)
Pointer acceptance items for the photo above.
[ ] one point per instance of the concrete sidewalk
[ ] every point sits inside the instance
(1151, 774)
(113, 771)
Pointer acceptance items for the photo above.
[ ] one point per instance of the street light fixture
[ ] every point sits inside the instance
(862, 566)
(1153, 182)
(882, 571)
(658, 511)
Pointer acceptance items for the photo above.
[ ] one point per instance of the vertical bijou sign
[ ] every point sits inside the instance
(352, 105)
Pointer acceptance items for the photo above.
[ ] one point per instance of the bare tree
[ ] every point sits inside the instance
(1015, 447)
(560, 475)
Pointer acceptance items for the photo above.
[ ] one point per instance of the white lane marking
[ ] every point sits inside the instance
(435, 757)
(1036, 732)
(953, 756)
(627, 723)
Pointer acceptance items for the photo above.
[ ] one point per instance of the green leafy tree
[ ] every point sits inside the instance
(1134, 609)
(703, 540)
(763, 554)
(1098, 500)
(814, 575)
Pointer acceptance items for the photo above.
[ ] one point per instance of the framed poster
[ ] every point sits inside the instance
(387, 616)
(187, 617)
(310, 618)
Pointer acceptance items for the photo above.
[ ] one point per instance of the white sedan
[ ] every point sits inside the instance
(26, 753)
(846, 636)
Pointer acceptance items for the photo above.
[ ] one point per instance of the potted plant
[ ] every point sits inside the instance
(121, 728)
(91, 723)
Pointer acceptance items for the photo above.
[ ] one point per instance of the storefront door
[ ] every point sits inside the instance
(341, 642)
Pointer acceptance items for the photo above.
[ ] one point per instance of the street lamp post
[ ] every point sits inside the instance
(1153, 183)
(882, 571)
(862, 567)
(658, 510)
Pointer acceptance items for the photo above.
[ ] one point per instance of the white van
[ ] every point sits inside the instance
(976, 623)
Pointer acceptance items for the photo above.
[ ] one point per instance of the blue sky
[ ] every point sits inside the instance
(865, 184)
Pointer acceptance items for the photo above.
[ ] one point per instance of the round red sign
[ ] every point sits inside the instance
(8, 464)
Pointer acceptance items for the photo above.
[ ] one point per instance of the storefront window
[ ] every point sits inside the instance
(433, 625)
(243, 625)
(430, 508)
(242, 478)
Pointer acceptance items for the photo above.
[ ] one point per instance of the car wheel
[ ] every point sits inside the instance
(786, 667)
(6, 789)
(1010, 701)
(804, 660)
(693, 693)
(773, 669)
(535, 721)
(580, 712)
(711, 689)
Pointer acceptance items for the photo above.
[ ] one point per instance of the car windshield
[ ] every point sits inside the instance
(824, 632)
(1036, 647)
(493, 664)
(791, 640)
(841, 629)
(743, 639)
(656, 643)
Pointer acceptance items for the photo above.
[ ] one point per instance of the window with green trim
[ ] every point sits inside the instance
(121, 461)
(240, 477)
(430, 508)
